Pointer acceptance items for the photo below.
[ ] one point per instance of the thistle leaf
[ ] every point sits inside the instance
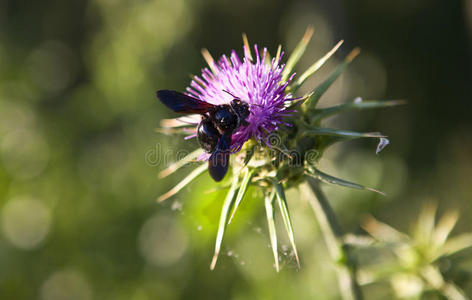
(331, 136)
(359, 241)
(297, 54)
(297, 102)
(181, 121)
(378, 273)
(267, 58)
(317, 174)
(279, 191)
(227, 205)
(173, 131)
(311, 103)
(383, 232)
(424, 228)
(190, 177)
(247, 48)
(456, 244)
(452, 291)
(342, 133)
(210, 61)
(314, 68)
(218, 188)
(180, 163)
(322, 113)
(444, 227)
(269, 206)
(277, 55)
(249, 154)
(242, 191)
(435, 279)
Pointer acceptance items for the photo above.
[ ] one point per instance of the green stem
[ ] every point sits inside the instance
(333, 236)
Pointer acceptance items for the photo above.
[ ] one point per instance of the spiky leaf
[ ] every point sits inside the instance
(314, 68)
(311, 103)
(346, 134)
(322, 113)
(269, 206)
(317, 174)
(242, 191)
(225, 210)
(180, 163)
(456, 244)
(297, 53)
(282, 201)
(190, 177)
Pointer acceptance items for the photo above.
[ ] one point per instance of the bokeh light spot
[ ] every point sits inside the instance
(52, 66)
(66, 285)
(14, 115)
(25, 222)
(24, 153)
(162, 241)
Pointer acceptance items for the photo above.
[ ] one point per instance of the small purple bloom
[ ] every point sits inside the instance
(259, 83)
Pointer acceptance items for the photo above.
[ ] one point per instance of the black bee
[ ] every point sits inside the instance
(215, 130)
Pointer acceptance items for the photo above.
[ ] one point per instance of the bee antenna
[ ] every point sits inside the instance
(230, 94)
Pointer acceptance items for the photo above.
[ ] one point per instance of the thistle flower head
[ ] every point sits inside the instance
(285, 158)
(257, 82)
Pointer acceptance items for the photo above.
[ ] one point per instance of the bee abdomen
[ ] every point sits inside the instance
(207, 135)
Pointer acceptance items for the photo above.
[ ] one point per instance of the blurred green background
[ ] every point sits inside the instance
(79, 156)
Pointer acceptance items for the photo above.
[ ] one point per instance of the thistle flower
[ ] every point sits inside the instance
(274, 159)
(258, 83)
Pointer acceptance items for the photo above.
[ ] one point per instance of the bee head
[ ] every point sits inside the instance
(241, 108)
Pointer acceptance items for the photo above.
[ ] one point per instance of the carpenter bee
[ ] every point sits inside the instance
(215, 130)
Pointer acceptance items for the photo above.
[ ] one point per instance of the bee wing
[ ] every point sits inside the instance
(182, 103)
(219, 160)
